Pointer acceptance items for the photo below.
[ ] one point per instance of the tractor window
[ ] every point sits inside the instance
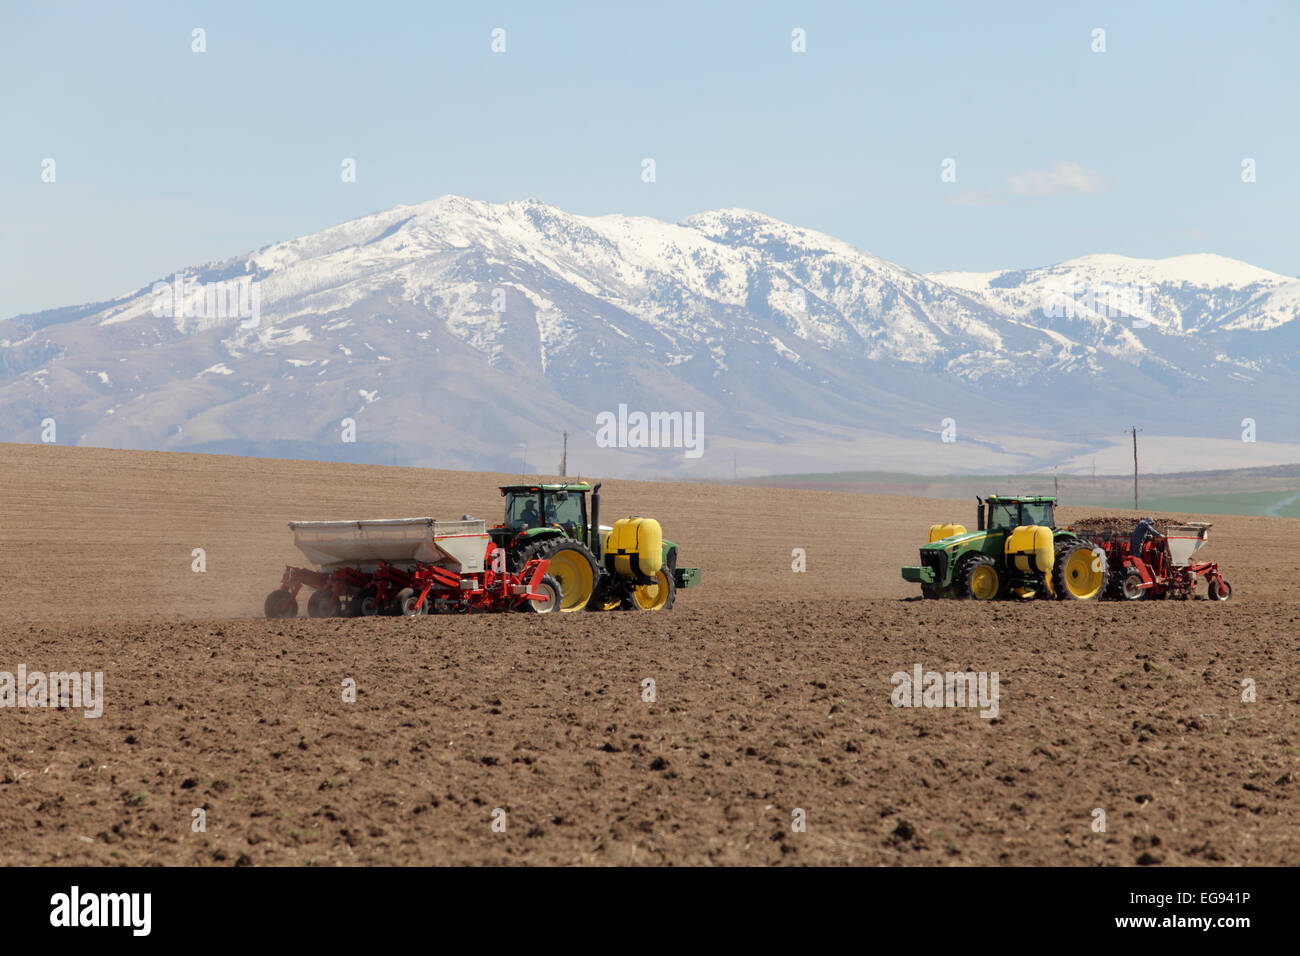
(1004, 515)
(567, 513)
(522, 509)
(1037, 513)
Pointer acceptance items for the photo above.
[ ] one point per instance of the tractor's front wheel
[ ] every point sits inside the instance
(981, 578)
(658, 596)
(572, 565)
(1079, 571)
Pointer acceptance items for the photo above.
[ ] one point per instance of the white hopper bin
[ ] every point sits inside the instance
(457, 545)
(1185, 540)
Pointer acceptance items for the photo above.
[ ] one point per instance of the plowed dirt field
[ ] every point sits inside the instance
(772, 691)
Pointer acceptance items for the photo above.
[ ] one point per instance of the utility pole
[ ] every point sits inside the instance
(1134, 429)
(564, 458)
(1056, 482)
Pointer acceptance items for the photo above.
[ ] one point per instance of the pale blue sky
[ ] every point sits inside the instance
(168, 158)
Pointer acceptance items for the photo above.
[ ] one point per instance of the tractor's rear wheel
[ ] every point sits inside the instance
(573, 567)
(281, 603)
(658, 596)
(981, 578)
(554, 597)
(1079, 571)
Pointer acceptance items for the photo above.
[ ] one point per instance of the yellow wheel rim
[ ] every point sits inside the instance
(1083, 576)
(984, 583)
(652, 597)
(573, 572)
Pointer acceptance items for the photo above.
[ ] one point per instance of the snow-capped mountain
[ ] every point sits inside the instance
(462, 334)
(1200, 294)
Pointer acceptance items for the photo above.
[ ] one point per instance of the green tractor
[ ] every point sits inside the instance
(552, 521)
(1016, 551)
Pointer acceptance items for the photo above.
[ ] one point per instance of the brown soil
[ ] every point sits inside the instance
(773, 691)
(1122, 524)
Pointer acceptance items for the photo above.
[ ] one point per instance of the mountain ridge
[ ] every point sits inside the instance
(454, 330)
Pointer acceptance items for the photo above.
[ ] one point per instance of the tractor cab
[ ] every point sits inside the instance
(542, 509)
(562, 506)
(1005, 513)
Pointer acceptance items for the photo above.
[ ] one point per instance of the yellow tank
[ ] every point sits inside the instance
(1029, 548)
(940, 531)
(635, 548)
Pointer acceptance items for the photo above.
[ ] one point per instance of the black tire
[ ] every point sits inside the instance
(546, 585)
(959, 588)
(280, 604)
(1114, 583)
(368, 603)
(351, 606)
(1220, 594)
(405, 603)
(1072, 586)
(641, 598)
(1128, 585)
(322, 604)
(973, 565)
(577, 588)
(1058, 553)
